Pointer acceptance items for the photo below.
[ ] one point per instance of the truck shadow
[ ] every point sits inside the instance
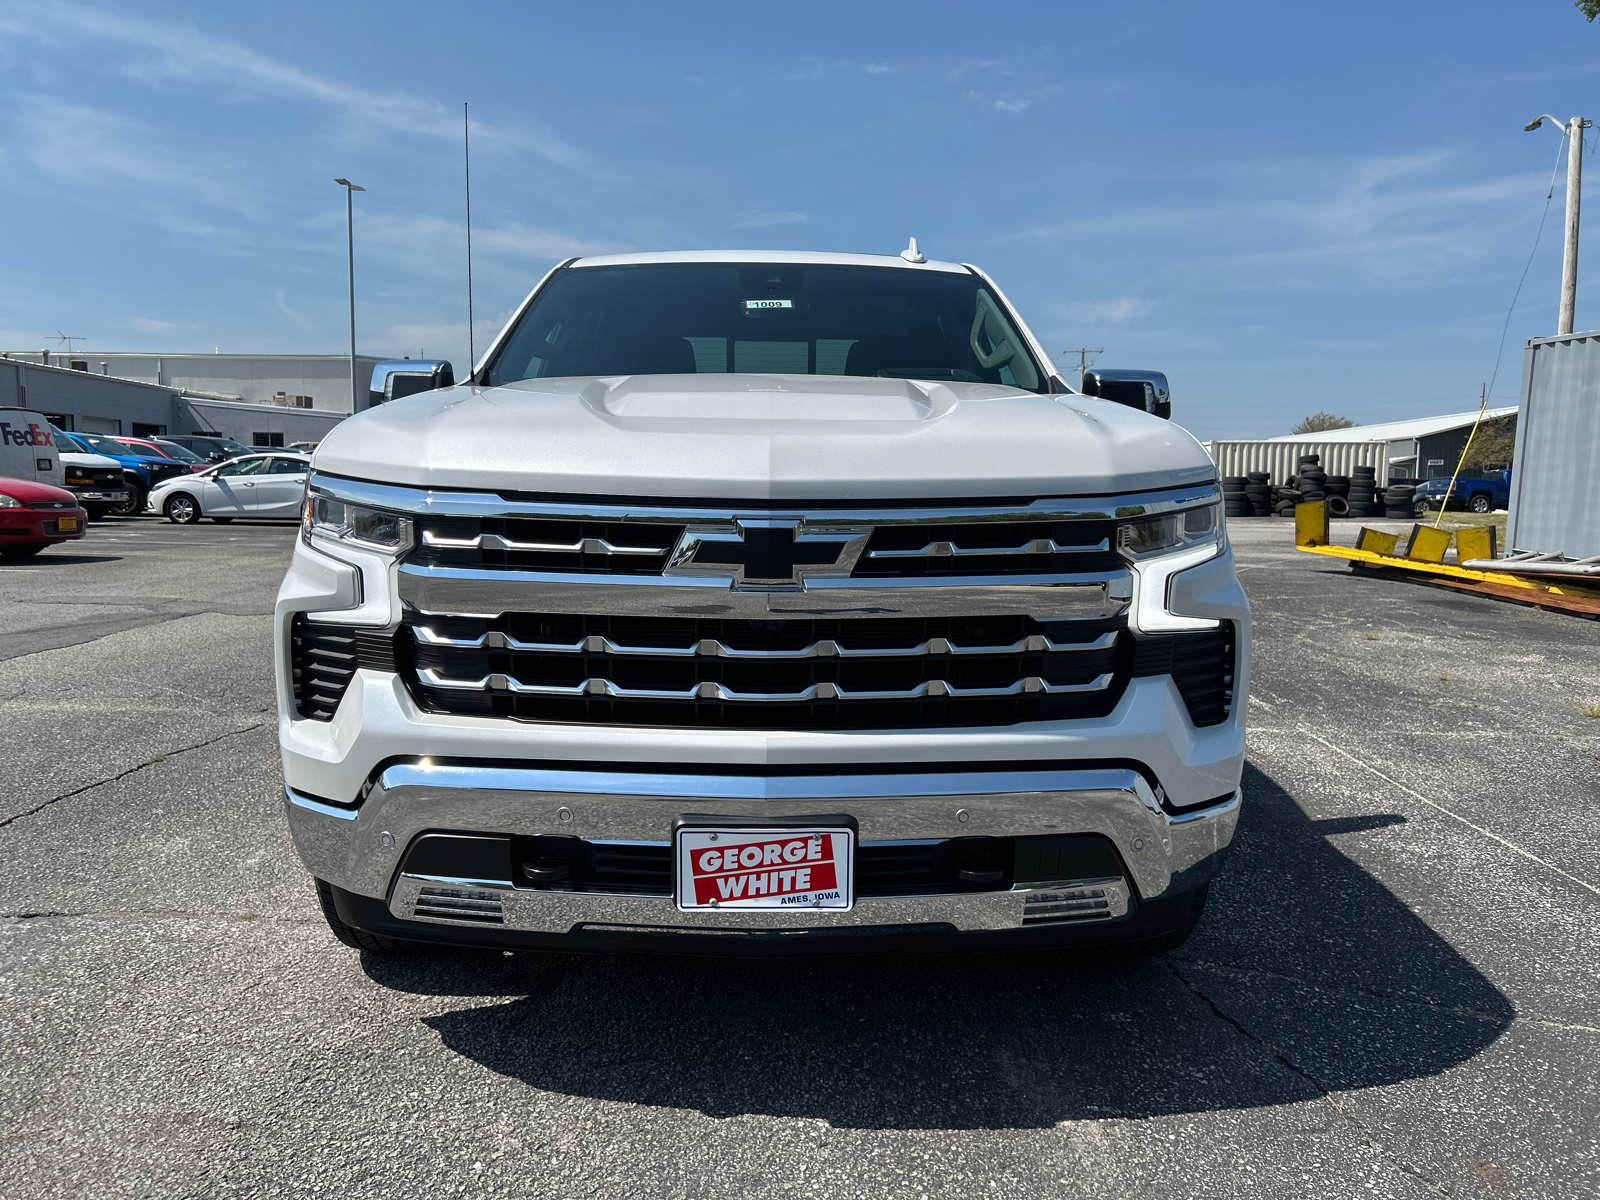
(1307, 975)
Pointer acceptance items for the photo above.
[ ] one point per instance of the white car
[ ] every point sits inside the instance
(263, 485)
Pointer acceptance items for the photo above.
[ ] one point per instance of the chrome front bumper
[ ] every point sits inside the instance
(359, 849)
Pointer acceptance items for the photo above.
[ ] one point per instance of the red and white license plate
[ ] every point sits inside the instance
(765, 868)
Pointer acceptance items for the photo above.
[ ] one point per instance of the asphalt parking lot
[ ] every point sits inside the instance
(1394, 991)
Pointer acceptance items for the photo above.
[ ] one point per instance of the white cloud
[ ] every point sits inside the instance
(880, 68)
(435, 240)
(105, 152)
(1013, 106)
(183, 53)
(754, 219)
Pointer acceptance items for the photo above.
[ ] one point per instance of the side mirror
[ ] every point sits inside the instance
(399, 377)
(1144, 390)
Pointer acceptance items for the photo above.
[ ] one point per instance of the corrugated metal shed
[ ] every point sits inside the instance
(1555, 488)
(1279, 458)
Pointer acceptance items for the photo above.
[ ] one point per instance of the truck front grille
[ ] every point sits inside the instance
(988, 549)
(532, 544)
(779, 674)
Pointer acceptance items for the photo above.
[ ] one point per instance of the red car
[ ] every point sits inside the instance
(36, 515)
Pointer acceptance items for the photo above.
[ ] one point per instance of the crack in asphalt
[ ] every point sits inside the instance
(1248, 973)
(150, 762)
(1328, 1097)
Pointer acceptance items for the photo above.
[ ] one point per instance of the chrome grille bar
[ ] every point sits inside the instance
(714, 648)
(1031, 685)
(496, 541)
(951, 550)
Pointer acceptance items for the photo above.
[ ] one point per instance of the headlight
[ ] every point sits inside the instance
(324, 517)
(9, 501)
(1158, 548)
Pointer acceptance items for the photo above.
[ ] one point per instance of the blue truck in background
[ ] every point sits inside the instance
(1483, 493)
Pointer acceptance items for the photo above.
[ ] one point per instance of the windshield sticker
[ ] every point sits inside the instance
(753, 305)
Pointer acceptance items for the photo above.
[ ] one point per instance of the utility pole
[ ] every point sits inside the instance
(1573, 131)
(350, 249)
(1083, 361)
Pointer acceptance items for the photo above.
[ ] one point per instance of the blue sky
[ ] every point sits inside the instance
(1286, 207)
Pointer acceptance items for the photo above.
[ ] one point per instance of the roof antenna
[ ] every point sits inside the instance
(912, 254)
(466, 147)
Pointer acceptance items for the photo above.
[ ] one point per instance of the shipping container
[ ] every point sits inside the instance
(1555, 478)
(1279, 459)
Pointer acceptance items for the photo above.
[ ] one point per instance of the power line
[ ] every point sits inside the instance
(1549, 192)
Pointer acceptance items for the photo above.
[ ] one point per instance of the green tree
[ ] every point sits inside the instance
(1319, 422)
(1496, 440)
(1589, 8)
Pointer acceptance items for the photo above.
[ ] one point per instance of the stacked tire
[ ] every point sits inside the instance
(1363, 491)
(1311, 480)
(1338, 489)
(1285, 498)
(1233, 496)
(1398, 501)
(1258, 493)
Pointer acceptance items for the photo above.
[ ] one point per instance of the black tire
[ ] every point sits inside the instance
(182, 509)
(1337, 506)
(133, 506)
(21, 551)
(1163, 943)
(358, 939)
(97, 512)
(1480, 503)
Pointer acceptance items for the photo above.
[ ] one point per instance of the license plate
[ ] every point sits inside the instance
(67, 524)
(798, 869)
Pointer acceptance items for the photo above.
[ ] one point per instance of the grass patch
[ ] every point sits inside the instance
(1591, 709)
(1372, 637)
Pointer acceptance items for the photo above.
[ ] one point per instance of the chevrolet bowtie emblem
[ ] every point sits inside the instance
(768, 552)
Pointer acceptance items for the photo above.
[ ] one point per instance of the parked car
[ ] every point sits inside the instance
(763, 603)
(1476, 493)
(212, 448)
(34, 515)
(100, 483)
(257, 485)
(184, 455)
(141, 469)
(303, 447)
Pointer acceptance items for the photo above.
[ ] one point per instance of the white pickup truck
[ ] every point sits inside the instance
(766, 603)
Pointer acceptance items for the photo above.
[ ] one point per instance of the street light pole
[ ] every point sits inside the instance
(1573, 131)
(350, 250)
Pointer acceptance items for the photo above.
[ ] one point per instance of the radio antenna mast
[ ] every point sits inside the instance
(466, 146)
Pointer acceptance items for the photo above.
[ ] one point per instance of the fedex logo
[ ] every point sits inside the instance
(33, 435)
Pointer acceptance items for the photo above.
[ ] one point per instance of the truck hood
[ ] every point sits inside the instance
(74, 458)
(763, 437)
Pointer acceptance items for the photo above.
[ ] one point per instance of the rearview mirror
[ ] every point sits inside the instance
(399, 377)
(1146, 390)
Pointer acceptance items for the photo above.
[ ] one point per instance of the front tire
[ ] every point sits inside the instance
(1480, 504)
(182, 509)
(358, 939)
(132, 506)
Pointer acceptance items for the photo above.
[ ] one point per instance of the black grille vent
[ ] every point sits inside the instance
(632, 671)
(324, 657)
(504, 543)
(1078, 537)
(1201, 664)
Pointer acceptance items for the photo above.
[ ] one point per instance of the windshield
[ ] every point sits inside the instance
(715, 318)
(174, 451)
(104, 445)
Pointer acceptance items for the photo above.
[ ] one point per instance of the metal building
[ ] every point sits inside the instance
(79, 401)
(320, 382)
(1421, 448)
